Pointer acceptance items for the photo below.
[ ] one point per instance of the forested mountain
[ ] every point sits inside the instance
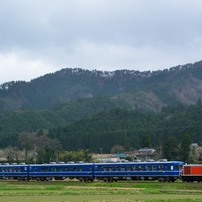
(92, 109)
(132, 89)
(132, 129)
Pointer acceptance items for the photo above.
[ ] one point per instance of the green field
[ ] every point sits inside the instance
(65, 191)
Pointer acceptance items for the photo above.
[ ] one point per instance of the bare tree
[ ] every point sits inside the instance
(25, 139)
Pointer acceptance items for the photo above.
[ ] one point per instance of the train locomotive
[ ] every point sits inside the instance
(108, 172)
(192, 172)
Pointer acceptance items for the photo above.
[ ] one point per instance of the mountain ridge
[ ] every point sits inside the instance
(148, 90)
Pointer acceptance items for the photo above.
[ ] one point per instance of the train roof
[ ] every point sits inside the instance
(142, 162)
(193, 165)
(61, 164)
(104, 163)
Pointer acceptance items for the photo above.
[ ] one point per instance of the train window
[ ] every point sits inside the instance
(128, 168)
(122, 168)
(166, 167)
(154, 167)
(110, 168)
(80, 169)
(140, 167)
(116, 168)
(147, 167)
(161, 167)
(96, 168)
(134, 168)
(104, 168)
(178, 167)
(171, 167)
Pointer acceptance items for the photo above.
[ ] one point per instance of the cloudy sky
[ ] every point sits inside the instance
(43, 36)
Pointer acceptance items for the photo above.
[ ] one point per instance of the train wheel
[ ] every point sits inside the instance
(90, 180)
(161, 179)
(110, 180)
(81, 179)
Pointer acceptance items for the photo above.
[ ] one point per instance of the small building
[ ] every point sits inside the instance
(194, 146)
(146, 153)
(120, 156)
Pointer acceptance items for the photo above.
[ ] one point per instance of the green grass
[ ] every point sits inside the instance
(65, 191)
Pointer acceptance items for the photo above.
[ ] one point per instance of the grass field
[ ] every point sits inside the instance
(65, 191)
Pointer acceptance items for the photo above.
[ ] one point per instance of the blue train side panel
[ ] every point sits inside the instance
(165, 171)
(19, 172)
(61, 171)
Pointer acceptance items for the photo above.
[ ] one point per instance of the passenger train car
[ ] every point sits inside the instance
(162, 171)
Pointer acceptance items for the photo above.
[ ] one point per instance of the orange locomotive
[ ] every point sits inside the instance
(192, 172)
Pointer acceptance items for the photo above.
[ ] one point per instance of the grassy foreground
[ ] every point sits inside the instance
(66, 191)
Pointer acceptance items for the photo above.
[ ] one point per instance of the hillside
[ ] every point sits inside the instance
(65, 99)
(132, 129)
(125, 88)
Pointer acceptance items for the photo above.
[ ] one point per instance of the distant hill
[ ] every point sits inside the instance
(74, 99)
(123, 88)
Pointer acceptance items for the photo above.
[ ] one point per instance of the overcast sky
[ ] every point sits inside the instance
(43, 36)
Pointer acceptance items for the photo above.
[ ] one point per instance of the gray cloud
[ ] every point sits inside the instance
(38, 37)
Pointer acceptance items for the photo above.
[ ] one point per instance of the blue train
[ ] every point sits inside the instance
(108, 172)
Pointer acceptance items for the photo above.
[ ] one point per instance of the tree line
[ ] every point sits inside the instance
(169, 132)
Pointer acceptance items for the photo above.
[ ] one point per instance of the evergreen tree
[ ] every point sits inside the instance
(185, 148)
(170, 149)
(146, 141)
